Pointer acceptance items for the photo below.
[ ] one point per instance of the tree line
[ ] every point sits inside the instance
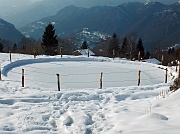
(130, 46)
(126, 47)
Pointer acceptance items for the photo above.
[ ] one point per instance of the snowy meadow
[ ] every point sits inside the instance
(81, 107)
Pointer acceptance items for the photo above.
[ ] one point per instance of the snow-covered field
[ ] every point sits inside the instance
(81, 107)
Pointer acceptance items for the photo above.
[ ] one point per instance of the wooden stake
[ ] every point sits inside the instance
(166, 75)
(139, 56)
(0, 73)
(101, 80)
(113, 53)
(179, 70)
(88, 52)
(162, 59)
(58, 81)
(22, 77)
(10, 58)
(139, 78)
(61, 51)
(130, 55)
(34, 51)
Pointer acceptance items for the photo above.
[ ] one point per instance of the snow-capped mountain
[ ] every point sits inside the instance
(29, 11)
(153, 22)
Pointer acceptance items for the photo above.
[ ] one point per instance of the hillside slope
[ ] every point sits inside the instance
(9, 32)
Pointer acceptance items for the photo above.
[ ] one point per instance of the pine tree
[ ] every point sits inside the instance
(84, 45)
(124, 47)
(14, 47)
(1, 46)
(49, 42)
(147, 55)
(140, 48)
(114, 45)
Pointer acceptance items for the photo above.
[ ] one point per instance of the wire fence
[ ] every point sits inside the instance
(86, 79)
(105, 77)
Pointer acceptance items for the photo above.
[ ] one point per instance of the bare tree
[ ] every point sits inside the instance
(132, 38)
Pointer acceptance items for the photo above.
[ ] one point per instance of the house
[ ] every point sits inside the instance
(83, 52)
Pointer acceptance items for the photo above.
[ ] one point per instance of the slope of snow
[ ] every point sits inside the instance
(86, 109)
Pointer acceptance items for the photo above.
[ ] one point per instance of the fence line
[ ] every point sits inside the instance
(39, 72)
(101, 81)
(26, 72)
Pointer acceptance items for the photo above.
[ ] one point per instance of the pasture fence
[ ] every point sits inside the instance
(109, 75)
(81, 75)
(101, 81)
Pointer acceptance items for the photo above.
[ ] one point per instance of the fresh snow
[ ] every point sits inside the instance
(81, 107)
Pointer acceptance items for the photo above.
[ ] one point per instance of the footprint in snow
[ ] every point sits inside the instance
(68, 121)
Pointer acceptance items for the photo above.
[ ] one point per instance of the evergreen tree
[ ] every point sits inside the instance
(24, 47)
(1, 46)
(49, 42)
(147, 55)
(84, 45)
(124, 46)
(14, 47)
(140, 48)
(114, 45)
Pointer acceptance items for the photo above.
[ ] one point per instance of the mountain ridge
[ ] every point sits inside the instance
(30, 12)
(9, 32)
(153, 22)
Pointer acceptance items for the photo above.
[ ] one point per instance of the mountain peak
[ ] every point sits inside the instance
(151, 3)
(122, 19)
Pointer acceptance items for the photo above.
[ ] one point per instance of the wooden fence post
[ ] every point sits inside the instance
(162, 59)
(34, 51)
(139, 56)
(101, 80)
(139, 78)
(61, 51)
(166, 75)
(22, 77)
(88, 52)
(179, 70)
(113, 53)
(10, 57)
(58, 82)
(0, 73)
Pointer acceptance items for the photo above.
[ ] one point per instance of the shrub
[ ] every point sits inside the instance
(176, 85)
